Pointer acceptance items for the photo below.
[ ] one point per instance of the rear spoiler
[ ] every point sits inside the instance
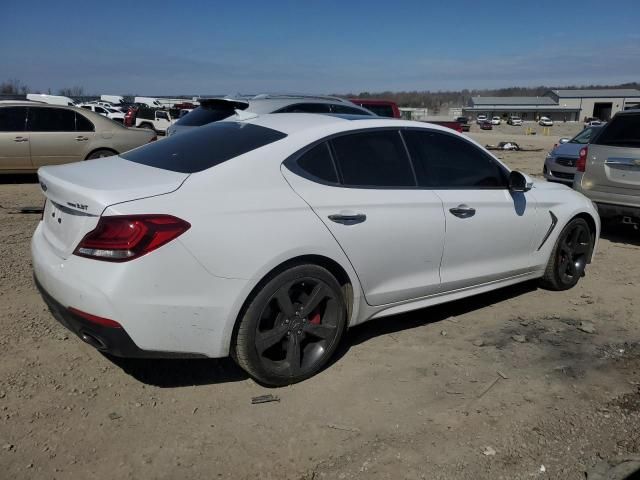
(224, 103)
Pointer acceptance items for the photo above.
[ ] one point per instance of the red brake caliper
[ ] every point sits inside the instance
(314, 318)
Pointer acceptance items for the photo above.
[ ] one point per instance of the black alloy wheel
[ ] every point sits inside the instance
(570, 256)
(292, 327)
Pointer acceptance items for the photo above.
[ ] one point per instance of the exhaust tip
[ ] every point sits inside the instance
(93, 341)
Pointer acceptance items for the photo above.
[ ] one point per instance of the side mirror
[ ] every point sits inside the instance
(563, 140)
(519, 182)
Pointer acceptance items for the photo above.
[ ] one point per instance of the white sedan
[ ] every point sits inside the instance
(266, 238)
(545, 122)
(496, 120)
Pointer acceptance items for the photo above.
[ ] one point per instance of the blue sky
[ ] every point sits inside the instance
(208, 47)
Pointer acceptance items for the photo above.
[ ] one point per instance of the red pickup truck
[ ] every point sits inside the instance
(382, 108)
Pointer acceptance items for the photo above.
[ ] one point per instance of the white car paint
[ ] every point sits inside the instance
(101, 109)
(251, 214)
(496, 121)
(545, 122)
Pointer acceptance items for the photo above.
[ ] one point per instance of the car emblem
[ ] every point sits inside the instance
(44, 186)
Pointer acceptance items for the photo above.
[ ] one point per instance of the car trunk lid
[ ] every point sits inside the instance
(78, 193)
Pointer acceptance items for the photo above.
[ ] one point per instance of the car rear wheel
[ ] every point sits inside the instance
(103, 152)
(569, 256)
(292, 326)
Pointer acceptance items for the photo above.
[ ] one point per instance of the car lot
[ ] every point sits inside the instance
(542, 378)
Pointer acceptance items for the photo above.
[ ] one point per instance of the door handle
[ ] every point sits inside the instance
(463, 211)
(81, 139)
(348, 219)
(21, 139)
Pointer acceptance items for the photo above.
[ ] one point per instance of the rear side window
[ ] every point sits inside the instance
(306, 108)
(375, 159)
(202, 116)
(13, 119)
(622, 131)
(318, 163)
(205, 147)
(445, 161)
(83, 124)
(51, 120)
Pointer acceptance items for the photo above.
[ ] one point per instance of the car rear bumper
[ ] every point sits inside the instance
(112, 340)
(607, 210)
(167, 304)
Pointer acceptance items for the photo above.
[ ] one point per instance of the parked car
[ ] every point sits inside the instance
(464, 123)
(34, 134)
(154, 119)
(263, 238)
(382, 108)
(115, 100)
(481, 118)
(216, 109)
(486, 125)
(148, 102)
(560, 164)
(515, 121)
(50, 99)
(545, 122)
(496, 121)
(608, 169)
(590, 121)
(111, 113)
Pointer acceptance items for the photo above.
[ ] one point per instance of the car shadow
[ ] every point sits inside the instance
(173, 373)
(15, 178)
(618, 232)
(424, 316)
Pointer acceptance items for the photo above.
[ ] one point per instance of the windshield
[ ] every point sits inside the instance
(584, 136)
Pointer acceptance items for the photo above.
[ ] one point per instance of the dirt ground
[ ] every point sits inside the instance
(520, 383)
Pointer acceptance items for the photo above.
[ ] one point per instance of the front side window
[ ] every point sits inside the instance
(445, 161)
(584, 136)
(373, 159)
(13, 119)
(51, 120)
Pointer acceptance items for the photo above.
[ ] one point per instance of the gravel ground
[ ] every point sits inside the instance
(508, 385)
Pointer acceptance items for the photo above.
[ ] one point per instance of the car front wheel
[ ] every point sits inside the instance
(569, 257)
(292, 326)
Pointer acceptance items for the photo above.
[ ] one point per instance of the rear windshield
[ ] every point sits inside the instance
(204, 115)
(205, 147)
(622, 131)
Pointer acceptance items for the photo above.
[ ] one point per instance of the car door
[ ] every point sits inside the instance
(489, 229)
(14, 140)
(162, 121)
(363, 188)
(53, 136)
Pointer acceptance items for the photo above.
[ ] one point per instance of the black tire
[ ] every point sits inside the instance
(101, 153)
(291, 327)
(569, 256)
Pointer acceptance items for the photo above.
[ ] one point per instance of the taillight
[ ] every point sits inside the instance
(581, 163)
(103, 322)
(123, 238)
